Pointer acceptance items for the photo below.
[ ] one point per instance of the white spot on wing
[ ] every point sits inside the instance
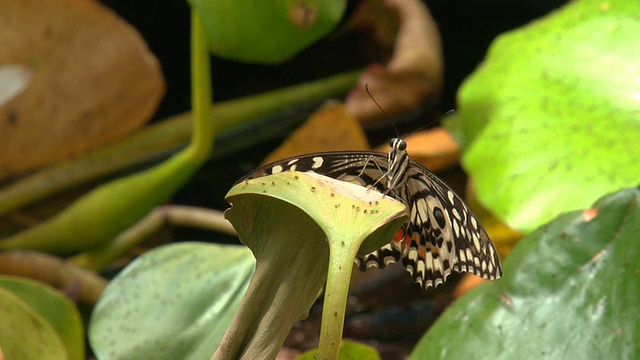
(422, 208)
(456, 228)
(476, 243)
(421, 268)
(276, 169)
(474, 223)
(317, 162)
(452, 197)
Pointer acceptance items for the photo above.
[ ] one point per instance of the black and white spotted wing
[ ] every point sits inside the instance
(441, 236)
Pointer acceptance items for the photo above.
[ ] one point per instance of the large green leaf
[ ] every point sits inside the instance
(38, 322)
(550, 120)
(174, 302)
(266, 31)
(570, 290)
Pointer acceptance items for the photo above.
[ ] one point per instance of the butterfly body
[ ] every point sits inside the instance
(442, 235)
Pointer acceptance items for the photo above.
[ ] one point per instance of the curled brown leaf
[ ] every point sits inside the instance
(413, 74)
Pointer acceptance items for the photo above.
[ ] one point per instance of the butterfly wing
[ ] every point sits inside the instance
(359, 167)
(442, 234)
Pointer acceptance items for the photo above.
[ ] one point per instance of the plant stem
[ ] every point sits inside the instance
(86, 286)
(169, 214)
(198, 150)
(201, 93)
(335, 298)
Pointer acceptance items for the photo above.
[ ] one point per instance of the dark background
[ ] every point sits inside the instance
(467, 28)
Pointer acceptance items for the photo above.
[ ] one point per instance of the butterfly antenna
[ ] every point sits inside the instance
(448, 113)
(366, 87)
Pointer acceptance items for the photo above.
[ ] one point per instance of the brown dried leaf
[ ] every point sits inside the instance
(434, 149)
(330, 128)
(92, 81)
(414, 73)
(468, 282)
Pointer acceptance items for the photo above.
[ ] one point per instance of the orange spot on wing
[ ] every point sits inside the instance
(422, 251)
(402, 236)
(434, 250)
(399, 235)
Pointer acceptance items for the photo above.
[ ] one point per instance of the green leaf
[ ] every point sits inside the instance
(349, 350)
(174, 302)
(266, 31)
(54, 308)
(550, 119)
(38, 322)
(570, 290)
(304, 229)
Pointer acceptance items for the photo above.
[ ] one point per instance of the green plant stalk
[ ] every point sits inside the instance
(133, 236)
(335, 296)
(99, 216)
(201, 93)
(158, 140)
(99, 258)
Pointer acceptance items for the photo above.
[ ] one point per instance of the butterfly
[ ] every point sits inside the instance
(441, 235)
